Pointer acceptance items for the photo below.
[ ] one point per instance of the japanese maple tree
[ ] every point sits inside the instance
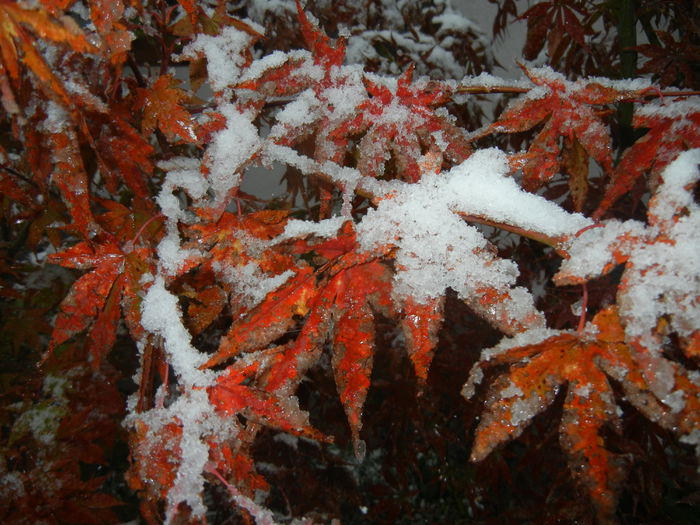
(528, 280)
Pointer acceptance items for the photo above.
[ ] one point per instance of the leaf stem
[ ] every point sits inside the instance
(584, 308)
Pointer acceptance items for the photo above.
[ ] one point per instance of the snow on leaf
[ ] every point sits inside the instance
(566, 110)
(268, 321)
(672, 127)
(227, 53)
(661, 278)
(400, 122)
(537, 371)
(154, 458)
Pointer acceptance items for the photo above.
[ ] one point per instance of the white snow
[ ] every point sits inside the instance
(437, 249)
(230, 149)
(224, 53)
(161, 315)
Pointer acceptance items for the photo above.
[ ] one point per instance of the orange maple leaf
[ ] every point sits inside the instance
(582, 363)
(18, 26)
(535, 375)
(162, 108)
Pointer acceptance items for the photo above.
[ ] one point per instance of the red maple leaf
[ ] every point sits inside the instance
(673, 127)
(18, 25)
(557, 24)
(403, 120)
(95, 298)
(566, 110)
(324, 52)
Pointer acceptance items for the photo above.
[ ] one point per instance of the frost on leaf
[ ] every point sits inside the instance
(581, 363)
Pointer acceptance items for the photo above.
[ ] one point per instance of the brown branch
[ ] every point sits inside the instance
(554, 242)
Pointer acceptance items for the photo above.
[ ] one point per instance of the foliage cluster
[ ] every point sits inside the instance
(444, 318)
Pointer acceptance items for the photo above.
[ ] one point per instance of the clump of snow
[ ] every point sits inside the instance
(476, 376)
(669, 109)
(171, 255)
(225, 54)
(523, 410)
(487, 80)
(325, 228)
(593, 251)
(583, 389)
(231, 148)
(532, 336)
(57, 118)
(161, 315)
(437, 249)
(511, 390)
(673, 197)
(42, 420)
(480, 186)
(302, 111)
(199, 423)
(663, 277)
(183, 173)
(346, 92)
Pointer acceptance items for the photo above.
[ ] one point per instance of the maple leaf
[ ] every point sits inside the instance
(107, 15)
(557, 24)
(239, 465)
(319, 44)
(207, 305)
(231, 395)
(267, 322)
(420, 323)
(88, 296)
(153, 459)
(675, 60)
(123, 153)
(94, 300)
(14, 38)
(541, 363)
(70, 177)
(403, 120)
(228, 241)
(339, 309)
(672, 127)
(565, 109)
(162, 107)
(660, 280)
